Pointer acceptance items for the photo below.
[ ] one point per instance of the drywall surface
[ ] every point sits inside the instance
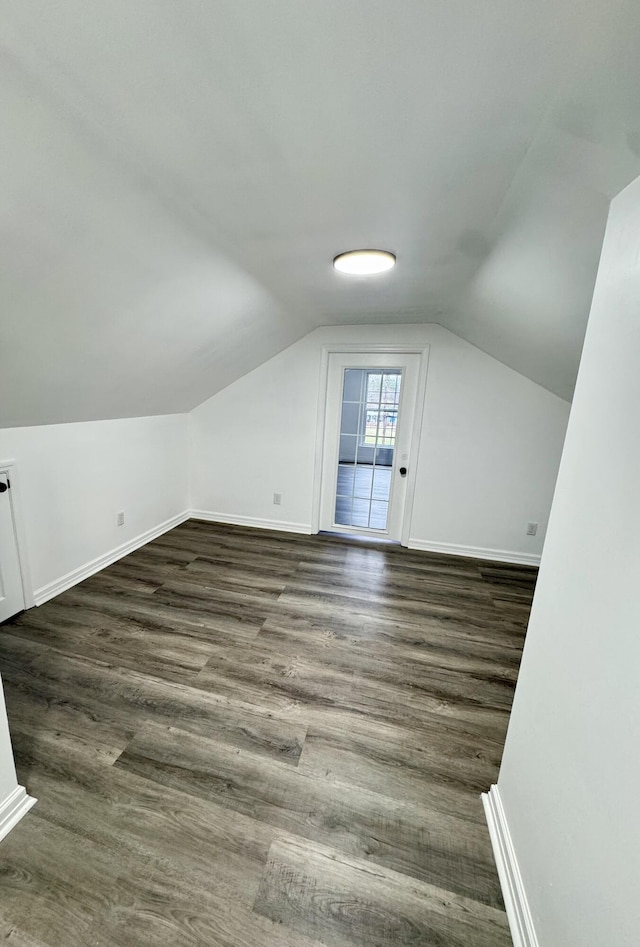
(487, 461)
(8, 779)
(570, 776)
(176, 179)
(75, 478)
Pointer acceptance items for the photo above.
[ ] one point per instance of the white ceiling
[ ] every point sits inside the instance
(175, 179)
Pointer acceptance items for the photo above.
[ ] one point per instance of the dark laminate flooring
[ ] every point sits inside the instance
(255, 739)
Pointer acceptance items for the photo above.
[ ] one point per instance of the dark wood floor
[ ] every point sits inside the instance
(255, 739)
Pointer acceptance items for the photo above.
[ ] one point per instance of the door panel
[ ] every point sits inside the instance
(370, 400)
(368, 427)
(11, 595)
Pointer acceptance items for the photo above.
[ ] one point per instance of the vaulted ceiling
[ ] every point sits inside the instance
(175, 179)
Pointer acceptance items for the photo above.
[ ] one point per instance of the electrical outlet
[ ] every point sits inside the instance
(277, 499)
(532, 529)
(120, 519)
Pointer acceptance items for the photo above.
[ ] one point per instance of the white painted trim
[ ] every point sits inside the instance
(281, 526)
(14, 807)
(65, 582)
(416, 443)
(475, 552)
(513, 892)
(11, 469)
(336, 348)
(45, 592)
(321, 413)
(422, 349)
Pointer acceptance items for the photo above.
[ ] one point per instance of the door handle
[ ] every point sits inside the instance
(403, 471)
(3, 487)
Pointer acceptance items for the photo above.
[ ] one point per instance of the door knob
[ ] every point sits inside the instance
(403, 471)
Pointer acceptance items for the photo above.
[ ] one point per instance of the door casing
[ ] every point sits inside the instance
(360, 350)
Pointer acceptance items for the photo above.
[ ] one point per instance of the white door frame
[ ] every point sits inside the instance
(10, 468)
(379, 348)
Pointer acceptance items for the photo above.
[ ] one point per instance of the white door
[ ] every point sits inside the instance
(370, 411)
(11, 595)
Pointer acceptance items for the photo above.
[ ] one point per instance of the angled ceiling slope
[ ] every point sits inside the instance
(176, 178)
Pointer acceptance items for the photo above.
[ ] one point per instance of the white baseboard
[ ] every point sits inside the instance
(45, 592)
(65, 582)
(515, 897)
(282, 526)
(13, 808)
(476, 552)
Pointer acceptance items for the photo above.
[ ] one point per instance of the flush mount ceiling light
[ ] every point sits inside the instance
(364, 262)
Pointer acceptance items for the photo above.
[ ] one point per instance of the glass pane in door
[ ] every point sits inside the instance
(370, 401)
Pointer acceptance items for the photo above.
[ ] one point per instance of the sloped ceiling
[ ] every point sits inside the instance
(175, 179)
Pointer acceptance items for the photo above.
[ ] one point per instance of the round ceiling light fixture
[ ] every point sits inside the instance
(364, 262)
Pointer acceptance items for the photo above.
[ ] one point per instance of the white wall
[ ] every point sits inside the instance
(14, 802)
(570, 776)
(74, 478)
(8, 779)
(487, 463)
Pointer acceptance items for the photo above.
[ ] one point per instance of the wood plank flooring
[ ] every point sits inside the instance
(243, 738)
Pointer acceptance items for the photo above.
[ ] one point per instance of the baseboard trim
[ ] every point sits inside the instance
(515, 897)
(14, 807)
(67, 581)
(475, 552)
(46, 592)
(281, 526)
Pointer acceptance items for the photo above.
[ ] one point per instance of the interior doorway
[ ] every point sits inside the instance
(368, 433)
(11, 591)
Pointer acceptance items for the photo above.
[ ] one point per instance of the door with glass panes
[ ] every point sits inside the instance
(367, 450)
